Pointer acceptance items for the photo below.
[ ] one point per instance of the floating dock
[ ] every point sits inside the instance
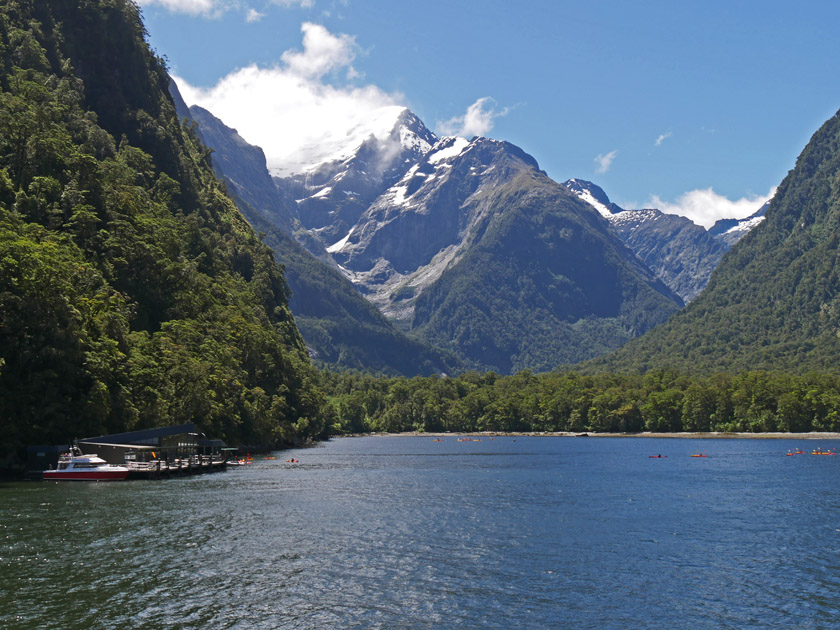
(161, 469)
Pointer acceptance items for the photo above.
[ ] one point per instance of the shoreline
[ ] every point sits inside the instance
(697, 435)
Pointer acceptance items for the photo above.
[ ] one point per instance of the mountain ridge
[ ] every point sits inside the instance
(332, 195)
(445, 205)
(677, 250)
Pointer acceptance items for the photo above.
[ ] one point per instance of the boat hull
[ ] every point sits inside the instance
(85, 475)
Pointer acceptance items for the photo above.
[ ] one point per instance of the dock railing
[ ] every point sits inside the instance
(152, 466)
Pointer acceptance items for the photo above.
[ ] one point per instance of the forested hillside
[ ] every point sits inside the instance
(132, 292)
(774, 300)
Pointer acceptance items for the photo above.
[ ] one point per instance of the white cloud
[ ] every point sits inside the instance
(322, 53)
(253, 16)
(477, 121)
(290, 3)
(207, 8)
(605, 161)
(215, 8)
(705, 206)
(662, 137)
(291, 110)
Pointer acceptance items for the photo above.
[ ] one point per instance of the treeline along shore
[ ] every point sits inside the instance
(693, 435)
(659, 402)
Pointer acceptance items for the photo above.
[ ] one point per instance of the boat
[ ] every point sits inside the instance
(74, 466)
(699, 455)
(657, 456)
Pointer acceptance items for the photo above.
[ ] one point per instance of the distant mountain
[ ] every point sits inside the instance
(339, 326)
(595, 196)
(774, 300)
(465, 244)
(476, 249)
(243, 166)
(680, 252)
(730, 231)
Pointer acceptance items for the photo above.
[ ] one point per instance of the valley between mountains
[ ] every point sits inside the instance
(469, 254)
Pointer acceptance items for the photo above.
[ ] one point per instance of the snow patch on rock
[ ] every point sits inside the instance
(337, 247)
(453, 148)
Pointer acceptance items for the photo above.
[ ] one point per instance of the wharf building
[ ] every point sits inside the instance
(149, 453)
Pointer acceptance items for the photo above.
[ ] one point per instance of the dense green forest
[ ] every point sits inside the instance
(132, 292)
(659, 401)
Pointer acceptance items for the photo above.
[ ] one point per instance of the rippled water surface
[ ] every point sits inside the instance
(406, 532)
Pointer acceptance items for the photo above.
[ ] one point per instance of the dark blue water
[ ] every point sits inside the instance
(404, 532)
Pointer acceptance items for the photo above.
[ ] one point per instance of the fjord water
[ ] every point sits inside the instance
(406, 532)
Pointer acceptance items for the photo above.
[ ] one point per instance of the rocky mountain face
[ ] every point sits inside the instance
(681, 253)
(244, 169)
(475, 249)
(773, 303)
(432, 215)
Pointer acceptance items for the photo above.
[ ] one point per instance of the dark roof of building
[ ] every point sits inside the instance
(147, 436)
(138, 447)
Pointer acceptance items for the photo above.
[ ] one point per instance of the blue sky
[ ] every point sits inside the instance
(689, 106)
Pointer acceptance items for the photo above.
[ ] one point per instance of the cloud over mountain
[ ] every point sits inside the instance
(605, 161)
(478, 120)
(705, 206)
(299, 110)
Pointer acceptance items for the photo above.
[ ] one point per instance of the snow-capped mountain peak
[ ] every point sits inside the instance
(593, 195)
(333, 193)
(391, 129)
(682, 253)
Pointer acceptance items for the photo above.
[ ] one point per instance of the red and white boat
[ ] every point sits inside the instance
(74, 466)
